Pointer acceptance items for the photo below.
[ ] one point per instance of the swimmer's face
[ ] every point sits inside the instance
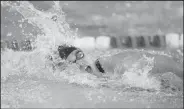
(84, 62)
(78, 57)
(90, 66)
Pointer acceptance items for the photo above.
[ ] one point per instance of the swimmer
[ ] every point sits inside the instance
(75, 55)
(72, 55)
(120, 62)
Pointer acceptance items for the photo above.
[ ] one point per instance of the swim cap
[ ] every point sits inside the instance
(65, 50)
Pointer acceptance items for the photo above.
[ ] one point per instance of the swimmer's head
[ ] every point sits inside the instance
(70, 53)
(76, 55)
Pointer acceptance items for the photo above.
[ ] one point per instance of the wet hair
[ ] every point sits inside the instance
(65, 50)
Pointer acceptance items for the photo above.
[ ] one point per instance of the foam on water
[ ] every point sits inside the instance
(54, 33)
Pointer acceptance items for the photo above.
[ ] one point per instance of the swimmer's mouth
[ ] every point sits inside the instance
(88, 69)
(99, 66)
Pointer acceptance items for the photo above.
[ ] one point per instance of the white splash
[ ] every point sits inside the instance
(54, 33)
(138, 75)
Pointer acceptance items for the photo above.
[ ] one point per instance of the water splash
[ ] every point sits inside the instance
(55, 31)
(138, 75)
(29, 66)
